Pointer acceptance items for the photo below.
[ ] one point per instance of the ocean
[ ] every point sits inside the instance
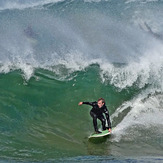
(56, 53)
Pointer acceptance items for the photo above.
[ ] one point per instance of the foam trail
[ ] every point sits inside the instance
(145, 113)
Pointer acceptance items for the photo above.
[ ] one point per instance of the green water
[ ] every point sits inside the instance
(41, 119)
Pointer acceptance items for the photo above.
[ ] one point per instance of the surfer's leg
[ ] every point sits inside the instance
(102, 119)
(94, 116)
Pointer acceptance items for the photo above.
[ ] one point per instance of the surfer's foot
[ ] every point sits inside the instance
(98, 132)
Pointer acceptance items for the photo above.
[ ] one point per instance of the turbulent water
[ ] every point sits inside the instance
(55, 53)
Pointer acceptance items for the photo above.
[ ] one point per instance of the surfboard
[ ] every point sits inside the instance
(102, 134)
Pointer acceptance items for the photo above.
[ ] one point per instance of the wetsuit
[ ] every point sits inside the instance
(97, 112)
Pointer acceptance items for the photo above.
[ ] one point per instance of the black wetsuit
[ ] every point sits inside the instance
(97, 112)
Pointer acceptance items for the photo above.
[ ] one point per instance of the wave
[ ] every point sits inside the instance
(74, 44)
(67, 51)
(142, 113)
(45, 115)
(148, 71)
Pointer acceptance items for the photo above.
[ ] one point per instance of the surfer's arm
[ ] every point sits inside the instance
(87, 103)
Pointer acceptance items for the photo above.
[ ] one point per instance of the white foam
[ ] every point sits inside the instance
(145, 113)
(5, 68)
(9, 4)
(147, 71)
(27, 69)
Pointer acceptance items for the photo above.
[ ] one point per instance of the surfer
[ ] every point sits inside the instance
(98, 108)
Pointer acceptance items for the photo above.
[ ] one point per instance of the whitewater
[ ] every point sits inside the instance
(55, 53)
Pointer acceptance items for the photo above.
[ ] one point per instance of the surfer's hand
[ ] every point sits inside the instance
(80, 103)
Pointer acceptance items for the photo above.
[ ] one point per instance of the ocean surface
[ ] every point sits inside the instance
(56, 53)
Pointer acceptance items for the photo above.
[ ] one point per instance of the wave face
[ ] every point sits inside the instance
(55, 53)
